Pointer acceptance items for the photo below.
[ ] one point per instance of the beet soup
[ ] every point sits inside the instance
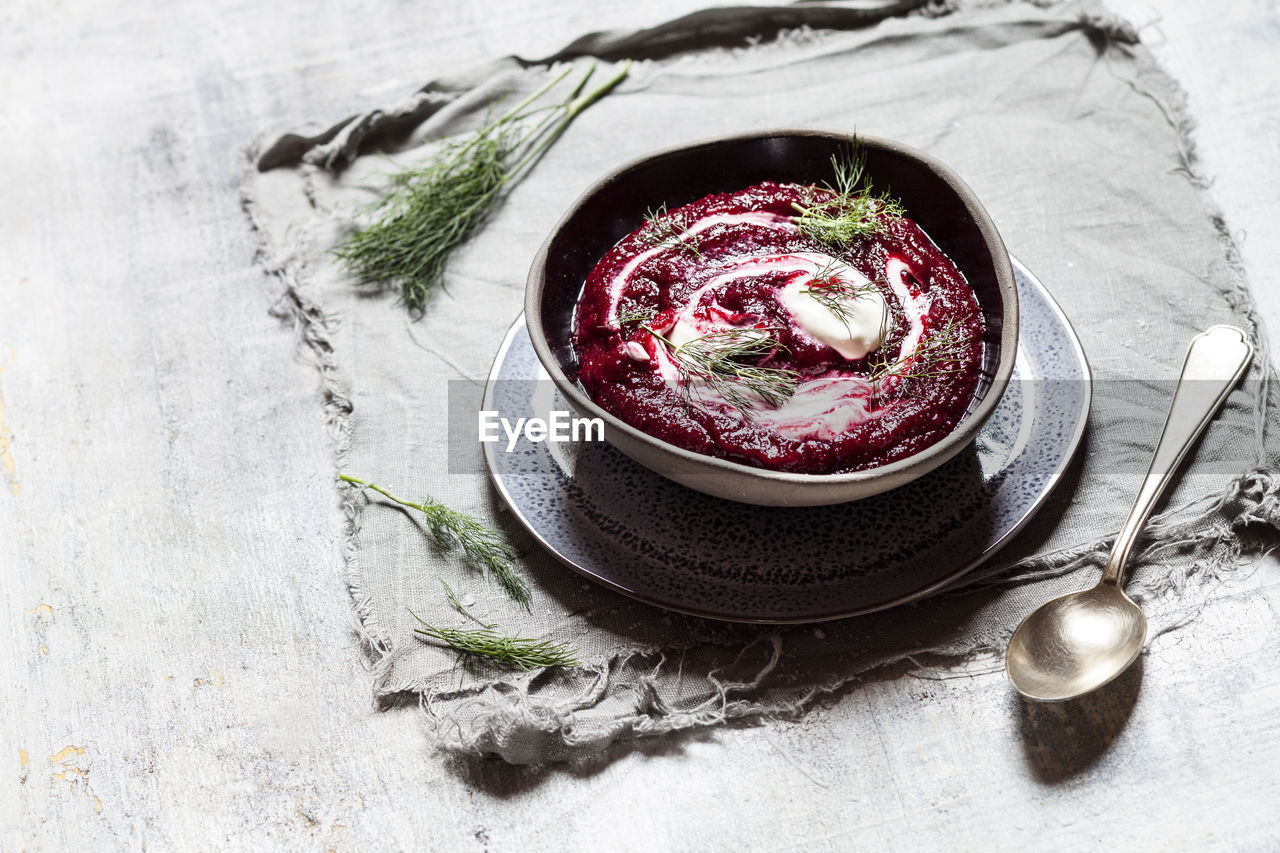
(733, 328)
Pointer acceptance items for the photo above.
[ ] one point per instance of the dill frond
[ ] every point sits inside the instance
(640, 315)
(482, 547)
(938, 355)
(485, 643)
(434, 207)
(836, 294)
(429, 211)
(662, 233)
(853, 210)
(719, 359)
(456, 603)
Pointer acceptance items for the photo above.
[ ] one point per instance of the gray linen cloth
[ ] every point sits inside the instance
(1077, 144)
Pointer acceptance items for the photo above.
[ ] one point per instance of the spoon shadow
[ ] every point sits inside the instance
(1064, 739)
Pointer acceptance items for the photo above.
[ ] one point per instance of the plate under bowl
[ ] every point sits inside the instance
(934, 196)
(623, 526)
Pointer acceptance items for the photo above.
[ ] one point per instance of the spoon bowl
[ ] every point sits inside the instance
(1078, 642)
(1075, 643)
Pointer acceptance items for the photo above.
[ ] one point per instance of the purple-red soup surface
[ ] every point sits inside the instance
(728, 328)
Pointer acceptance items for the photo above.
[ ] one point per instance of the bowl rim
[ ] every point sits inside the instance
(946, 447)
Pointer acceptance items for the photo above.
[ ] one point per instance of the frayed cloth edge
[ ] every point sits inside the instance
(508, 721)
(314, 330)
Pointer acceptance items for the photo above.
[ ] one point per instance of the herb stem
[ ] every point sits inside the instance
(456, 603)
(483, 547)
(383, 492)
(572, 109)
(541, 90)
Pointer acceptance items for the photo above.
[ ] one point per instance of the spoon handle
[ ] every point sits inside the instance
(1216, 360)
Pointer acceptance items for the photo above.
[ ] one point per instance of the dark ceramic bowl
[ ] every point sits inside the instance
(934, 197)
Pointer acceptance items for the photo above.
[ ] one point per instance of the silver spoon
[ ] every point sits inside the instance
(1080, 641)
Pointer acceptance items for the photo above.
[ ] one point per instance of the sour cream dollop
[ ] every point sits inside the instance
(839, 307)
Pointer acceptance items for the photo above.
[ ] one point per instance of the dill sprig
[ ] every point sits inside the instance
(482, 546)
(663, 233)
(487, 644)
(838, 294)
(640, 315)
(720, 360)
(456, 603)
(435, 206)
(938, 355)
(835, 293)
(853, 210)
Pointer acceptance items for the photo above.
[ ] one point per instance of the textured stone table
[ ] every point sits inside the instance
(181, 671)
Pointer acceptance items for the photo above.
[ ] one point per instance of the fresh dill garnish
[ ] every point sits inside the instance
(938, 355)
(662, 233)
(485, 644)
(483, 547)
(456, 603)
(852, 210)
(435, 206)
(640, 315)
(827, 274)
(719, 359)
(836, 293)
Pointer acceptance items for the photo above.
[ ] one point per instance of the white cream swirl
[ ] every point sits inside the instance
(826, 405)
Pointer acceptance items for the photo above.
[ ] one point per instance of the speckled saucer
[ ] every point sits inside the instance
(634, 531)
